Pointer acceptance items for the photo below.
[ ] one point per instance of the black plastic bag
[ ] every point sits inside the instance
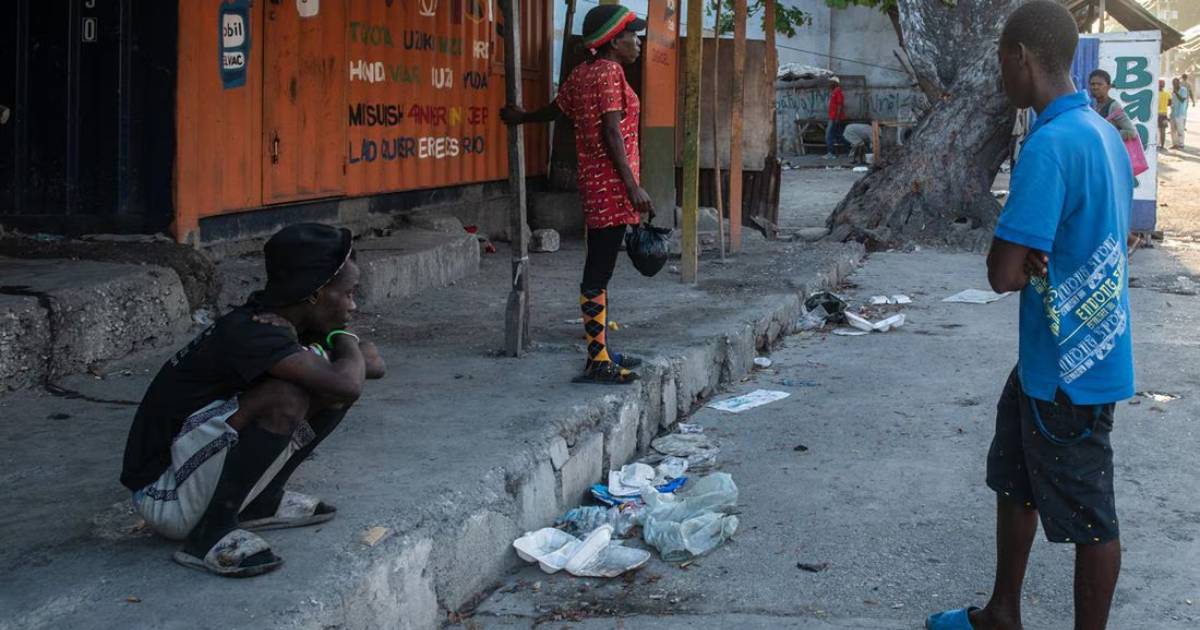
(648, 247)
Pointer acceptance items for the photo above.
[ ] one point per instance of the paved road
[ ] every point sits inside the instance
(890, 489)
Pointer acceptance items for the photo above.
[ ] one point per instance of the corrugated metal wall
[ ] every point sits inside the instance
(286, 100)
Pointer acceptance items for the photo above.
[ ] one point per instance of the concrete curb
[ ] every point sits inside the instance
(63, 317)
(411, 581)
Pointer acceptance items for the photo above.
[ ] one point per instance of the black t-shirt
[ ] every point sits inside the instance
(225, 359)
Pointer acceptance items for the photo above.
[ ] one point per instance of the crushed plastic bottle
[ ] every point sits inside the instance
(583, 520)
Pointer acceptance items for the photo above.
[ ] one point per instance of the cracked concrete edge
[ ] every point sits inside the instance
(461, 552)
(58, 330)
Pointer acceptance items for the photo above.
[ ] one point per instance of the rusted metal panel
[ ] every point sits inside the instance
(412, 100)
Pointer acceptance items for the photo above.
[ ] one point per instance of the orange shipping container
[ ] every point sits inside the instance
(301, 99)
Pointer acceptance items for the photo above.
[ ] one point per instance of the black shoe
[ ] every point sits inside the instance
(606, 373)
(622, 360)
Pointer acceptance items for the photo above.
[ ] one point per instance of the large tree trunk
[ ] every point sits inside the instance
(937, 187)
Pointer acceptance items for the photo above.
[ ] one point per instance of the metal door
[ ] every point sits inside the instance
(304, 91)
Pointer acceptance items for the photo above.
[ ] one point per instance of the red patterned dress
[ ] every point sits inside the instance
(592, 90)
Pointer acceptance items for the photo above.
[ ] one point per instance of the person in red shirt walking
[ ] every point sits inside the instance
(837, 116)
(605, 111)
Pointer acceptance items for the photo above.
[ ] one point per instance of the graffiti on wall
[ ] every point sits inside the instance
(422, 91)
(875, 103)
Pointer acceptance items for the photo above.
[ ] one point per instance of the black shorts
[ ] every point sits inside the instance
(1062, 468)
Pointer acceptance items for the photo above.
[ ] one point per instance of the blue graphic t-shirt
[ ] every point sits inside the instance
(1072, 192)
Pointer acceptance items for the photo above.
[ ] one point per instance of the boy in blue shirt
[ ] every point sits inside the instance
(1061, 242)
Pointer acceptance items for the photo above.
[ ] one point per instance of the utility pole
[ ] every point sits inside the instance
(516, 315)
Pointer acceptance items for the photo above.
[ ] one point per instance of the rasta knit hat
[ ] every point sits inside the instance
(603, 23)
(301, 259)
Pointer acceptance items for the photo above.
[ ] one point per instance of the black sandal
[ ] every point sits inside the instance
(606, 373)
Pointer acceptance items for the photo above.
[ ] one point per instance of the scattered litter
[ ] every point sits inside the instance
(691, 523)
(601, 493)
(577, 320)
(976, 296)
(1000, 193)
(672, 468)
(585, 519)
(861, 169)
(137, 600)
(762, 362)
(900, 298)
(594, 556)
(820, 309)
(877, 300)
(849, 332)
(756, 398)
(812, 567)
(883, 325)
(699, 449)
(686, 428)
(629, 481)
(613, 325)
(376, 535)
(800, 448)
(1159, 396)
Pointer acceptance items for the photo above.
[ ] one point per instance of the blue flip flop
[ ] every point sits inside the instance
(951, 620)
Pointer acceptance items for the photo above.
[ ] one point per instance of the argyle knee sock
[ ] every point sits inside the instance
(594, 304)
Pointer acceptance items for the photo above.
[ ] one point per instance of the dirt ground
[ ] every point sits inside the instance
(1179, 186)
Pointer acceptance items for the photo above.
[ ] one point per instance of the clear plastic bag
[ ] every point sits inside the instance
(712, 493)
(693, 537)
(692, 522)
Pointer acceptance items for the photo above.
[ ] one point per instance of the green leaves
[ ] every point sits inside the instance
(882, 5)
(787, 19)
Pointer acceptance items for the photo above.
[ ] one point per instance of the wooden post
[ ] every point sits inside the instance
(1103, 10)
(689, 266)
(771, 68)
(716, 130)
(736, 126)
(568, 42)
(516, 316)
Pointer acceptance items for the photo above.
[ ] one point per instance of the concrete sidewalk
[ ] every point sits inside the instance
(458, 451)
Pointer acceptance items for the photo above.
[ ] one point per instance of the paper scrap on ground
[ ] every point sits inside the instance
(976, 296)
(756, 398)
(849, 332)
(376, 535)
(880, 300)
(1159, 396)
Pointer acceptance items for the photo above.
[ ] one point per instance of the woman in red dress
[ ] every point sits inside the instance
(605, 111)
